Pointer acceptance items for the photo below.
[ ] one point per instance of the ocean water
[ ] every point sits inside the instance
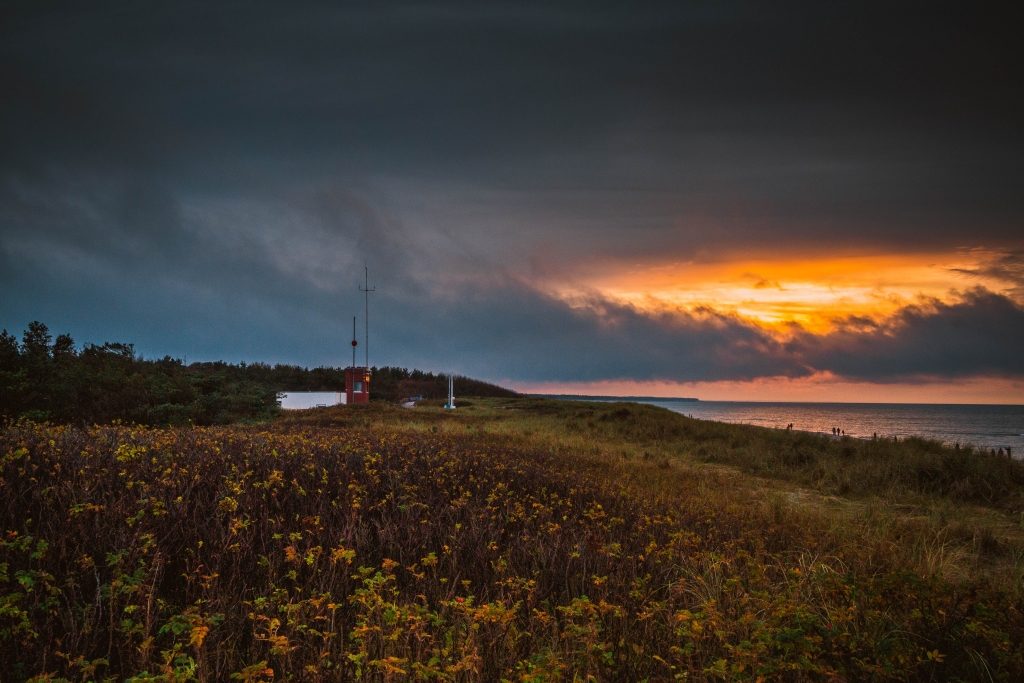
(984, 426)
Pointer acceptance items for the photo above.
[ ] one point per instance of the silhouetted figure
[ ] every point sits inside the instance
(843, 431)
(874, 437)
(956, 446)
(1008, 452)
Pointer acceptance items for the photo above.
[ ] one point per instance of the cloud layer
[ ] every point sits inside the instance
(208, 180)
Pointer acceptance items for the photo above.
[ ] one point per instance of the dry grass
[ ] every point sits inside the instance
(515, 539)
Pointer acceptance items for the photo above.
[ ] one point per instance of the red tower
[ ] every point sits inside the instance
(357, 385)
(357, 379)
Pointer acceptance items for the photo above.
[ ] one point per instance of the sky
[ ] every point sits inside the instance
(728, 200)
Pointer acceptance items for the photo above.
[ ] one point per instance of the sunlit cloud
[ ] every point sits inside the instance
(813, 291)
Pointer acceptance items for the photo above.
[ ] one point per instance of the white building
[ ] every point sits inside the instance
(302, 400)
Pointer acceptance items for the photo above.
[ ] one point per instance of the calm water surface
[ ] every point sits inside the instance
(984, 426)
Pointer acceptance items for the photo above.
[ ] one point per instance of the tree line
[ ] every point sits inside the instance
(394, 384)
(43, 377)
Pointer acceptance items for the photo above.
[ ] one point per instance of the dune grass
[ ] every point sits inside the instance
(846, 466)
(514, 539)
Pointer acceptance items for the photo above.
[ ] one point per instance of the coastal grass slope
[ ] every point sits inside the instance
(515, 539)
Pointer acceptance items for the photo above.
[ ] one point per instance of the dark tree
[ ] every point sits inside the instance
(35, 342)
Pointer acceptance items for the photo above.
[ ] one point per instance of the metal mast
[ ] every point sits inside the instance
(450, 405)
(367, 289)
(354, 342)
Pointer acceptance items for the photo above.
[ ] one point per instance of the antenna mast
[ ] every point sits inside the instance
(354, 342)
(366, 289)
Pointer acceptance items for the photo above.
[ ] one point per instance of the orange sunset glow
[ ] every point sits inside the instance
(812, 291)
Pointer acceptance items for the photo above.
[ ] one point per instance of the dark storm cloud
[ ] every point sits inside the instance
(1007, 267)
(275, 291)
(805, 121)
(208, 178)
(979, 335)
(517, 332)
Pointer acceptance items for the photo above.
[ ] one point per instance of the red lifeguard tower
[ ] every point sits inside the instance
(357, 385)
(357, 379)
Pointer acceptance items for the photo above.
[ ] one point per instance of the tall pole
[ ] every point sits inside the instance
(367, 289)
(354, 342)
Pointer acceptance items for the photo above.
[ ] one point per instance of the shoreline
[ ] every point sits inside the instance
(983, 428)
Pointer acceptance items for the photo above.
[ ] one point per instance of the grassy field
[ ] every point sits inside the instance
(516, 539)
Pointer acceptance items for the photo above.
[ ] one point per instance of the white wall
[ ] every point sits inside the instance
(300, 400)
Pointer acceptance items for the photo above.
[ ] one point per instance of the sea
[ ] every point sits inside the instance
(982, 426)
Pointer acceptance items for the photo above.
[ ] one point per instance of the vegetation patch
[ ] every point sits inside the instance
(383, 544)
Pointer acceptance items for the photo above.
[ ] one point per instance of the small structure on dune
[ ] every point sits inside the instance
(357, 385)
(357, 378)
